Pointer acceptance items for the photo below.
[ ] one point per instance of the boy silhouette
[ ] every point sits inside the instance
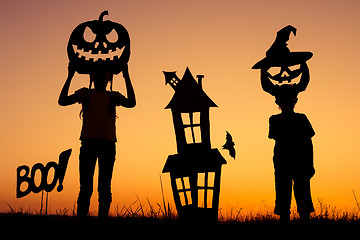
(292, 132)
(293, 151)
(98, 135)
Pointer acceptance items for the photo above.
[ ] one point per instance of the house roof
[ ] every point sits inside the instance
(196, 161)
(189, 95)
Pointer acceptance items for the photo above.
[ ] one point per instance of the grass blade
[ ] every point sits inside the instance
(163, 198)
(357, 203)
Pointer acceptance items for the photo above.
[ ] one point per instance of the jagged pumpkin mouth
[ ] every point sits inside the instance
(289, 75)
(104, 55)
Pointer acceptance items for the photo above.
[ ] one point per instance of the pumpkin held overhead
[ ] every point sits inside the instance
(280, 63)
(99, 45)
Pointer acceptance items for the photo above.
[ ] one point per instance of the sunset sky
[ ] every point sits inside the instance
(220, 39)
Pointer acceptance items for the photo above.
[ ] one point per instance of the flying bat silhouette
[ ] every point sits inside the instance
(229, 145)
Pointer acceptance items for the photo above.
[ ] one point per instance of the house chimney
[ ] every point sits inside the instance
(200, 77)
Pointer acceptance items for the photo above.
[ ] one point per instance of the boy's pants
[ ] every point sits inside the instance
(283, 188)
(90, 151)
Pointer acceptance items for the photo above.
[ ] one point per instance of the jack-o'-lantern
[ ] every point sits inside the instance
(99, 46)
(284, 73)
(280, 63)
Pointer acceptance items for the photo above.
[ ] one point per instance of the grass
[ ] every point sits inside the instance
(145, 219)
(140, 220)
(138, 210)
(165, 211)
(66, 226)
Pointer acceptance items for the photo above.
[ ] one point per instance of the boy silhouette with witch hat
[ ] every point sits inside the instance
(292, 132)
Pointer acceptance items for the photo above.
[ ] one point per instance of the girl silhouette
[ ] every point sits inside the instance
(98, 135)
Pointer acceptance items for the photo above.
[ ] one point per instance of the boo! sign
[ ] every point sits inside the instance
(24, 175)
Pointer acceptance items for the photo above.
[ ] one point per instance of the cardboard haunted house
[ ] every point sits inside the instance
(196, 169)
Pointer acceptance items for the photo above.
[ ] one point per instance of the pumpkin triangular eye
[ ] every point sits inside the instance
(295, 67)
(89, 36)
(274, 70)
(112, 37)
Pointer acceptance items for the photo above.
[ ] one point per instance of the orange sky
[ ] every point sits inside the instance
(220, 39)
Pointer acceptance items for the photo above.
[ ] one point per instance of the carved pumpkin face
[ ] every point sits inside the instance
(285, 73)
(282, 64)
(99, 46)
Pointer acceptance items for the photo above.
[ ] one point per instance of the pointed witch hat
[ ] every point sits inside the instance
(279, 54)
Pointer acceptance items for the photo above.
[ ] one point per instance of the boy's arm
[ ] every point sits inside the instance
(271, 127)
(305, 78)
(65, 99)
(275, 123)
(266, 84)
(307, 127)
(121, 100)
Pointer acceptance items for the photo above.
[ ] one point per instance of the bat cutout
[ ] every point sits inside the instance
(229, 145)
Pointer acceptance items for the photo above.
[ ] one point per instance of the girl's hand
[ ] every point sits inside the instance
(65, 99)
(125, 71)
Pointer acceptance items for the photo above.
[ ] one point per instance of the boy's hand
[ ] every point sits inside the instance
(304, 66)
(71, 70)
(264, 71)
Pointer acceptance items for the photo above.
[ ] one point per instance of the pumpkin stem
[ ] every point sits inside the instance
(102, 15)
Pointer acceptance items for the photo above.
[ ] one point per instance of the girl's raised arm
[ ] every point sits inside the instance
(65, 99)
(129, 101)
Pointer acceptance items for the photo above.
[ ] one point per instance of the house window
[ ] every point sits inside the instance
(205, 189)
(183, 187)
(191, 123)
(174, 82)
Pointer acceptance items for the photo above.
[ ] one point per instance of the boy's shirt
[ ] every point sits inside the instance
(293, 151)
(290, 127)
